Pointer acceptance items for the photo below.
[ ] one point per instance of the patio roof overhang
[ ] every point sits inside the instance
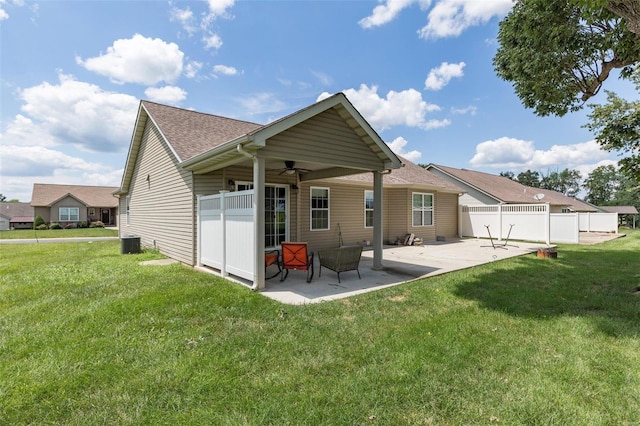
(304, 125)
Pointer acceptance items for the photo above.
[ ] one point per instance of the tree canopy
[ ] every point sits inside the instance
(558, 53)
(616, 125)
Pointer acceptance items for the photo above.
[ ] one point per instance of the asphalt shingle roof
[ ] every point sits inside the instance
(409, 174)
(191, 133)
(45, 194)
(12, 210)
(511, 191)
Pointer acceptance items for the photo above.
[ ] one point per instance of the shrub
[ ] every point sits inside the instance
(82, 224)
(42, 227)
(96, 224)
(55, 226)
(38, 221)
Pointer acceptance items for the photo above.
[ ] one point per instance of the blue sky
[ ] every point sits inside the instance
(73, 72)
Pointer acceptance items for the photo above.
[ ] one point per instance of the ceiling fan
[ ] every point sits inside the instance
(290, 168)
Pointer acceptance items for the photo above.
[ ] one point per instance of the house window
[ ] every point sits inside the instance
(319, 209)
(244, 186)
(368, 209)
(128, 201)
(422, 209)
(69, 214)
(92, 211)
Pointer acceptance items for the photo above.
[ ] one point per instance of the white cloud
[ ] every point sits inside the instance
(224, 70)
(441, 76)
(139, 59)
(386, 12)
(220, 8)
(171, 95)
(192, 68)
(185, 18)
(398, 146)
(519, 154)
(471, 110)
(261, 103)
(3, 15)
(323, 78)
(451, 17)
(405, 108)
(212, 41)
(21, 166)
(73, 112)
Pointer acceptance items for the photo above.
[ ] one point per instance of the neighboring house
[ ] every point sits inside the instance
(487, 189)
(70, 204)
(297, 168)
(16, 216)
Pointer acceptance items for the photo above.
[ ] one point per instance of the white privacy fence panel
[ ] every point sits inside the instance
(515, 221)
(564, 228)
(599, 222)
(226, 233)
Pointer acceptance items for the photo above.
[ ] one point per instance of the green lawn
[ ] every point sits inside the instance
(57, 233)
(88, 336)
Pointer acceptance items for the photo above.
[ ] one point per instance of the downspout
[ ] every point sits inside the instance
(252, 157)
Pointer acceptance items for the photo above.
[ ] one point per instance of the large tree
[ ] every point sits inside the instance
(601, 185)
(616, 125)
(529, 178)
(558, 53)
(566, 181)
(629, 10)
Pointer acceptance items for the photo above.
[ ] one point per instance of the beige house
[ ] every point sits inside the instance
(486, 189)
(72, 204)
(316, 175)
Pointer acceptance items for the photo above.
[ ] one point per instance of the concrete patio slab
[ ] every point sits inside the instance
(401, 264)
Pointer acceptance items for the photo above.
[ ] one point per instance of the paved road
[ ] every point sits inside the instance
(58, 240)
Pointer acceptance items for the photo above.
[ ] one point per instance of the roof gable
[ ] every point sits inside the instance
(45, 195)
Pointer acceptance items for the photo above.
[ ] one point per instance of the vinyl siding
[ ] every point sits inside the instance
(44, 212)
(327, 139)
(446, 215)
(162, 207)
(68, 202)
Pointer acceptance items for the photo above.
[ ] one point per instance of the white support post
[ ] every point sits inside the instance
(499, 222)
(223, 230)
(258, 220)
(547, 225)
(377, 221)
(199, 231)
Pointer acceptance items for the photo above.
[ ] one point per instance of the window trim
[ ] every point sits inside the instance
(68, 215)
(423, 209)
(327, 209)
(366, 209)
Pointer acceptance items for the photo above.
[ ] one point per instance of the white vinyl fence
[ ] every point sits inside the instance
(599, 222)
(531, 222)
(226, 233)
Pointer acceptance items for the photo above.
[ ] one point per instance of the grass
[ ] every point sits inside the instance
(57, 233)
(89, 336)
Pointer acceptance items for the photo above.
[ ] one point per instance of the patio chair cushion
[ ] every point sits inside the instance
(295, 256)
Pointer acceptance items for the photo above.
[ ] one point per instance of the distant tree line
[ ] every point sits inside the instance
(604, 186)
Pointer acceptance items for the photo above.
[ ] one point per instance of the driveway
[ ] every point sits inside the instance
(401, 264)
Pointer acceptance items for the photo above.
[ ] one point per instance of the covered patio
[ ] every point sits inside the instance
(401, 264)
